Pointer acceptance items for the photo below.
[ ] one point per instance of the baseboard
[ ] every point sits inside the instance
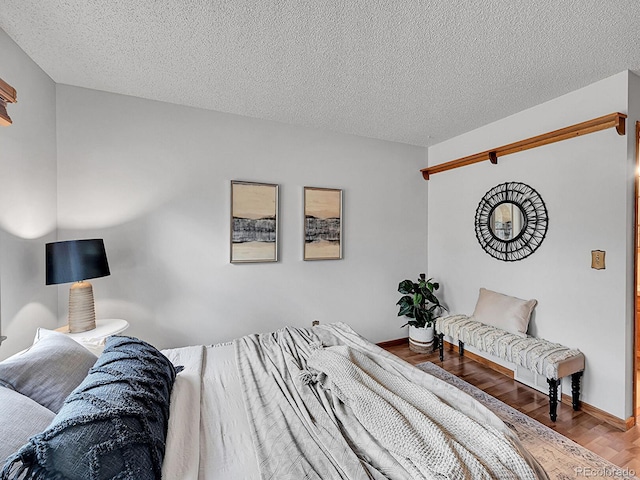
(612, 420)
(631, 422)
(394, 343)
(477, 358)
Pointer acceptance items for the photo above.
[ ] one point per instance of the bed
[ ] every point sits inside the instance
(316, 403)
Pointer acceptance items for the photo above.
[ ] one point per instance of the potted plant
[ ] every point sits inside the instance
(420, 304)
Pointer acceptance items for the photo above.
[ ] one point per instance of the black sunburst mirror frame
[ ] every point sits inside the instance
(535, 221)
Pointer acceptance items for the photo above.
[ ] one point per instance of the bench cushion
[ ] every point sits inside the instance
(546, 358)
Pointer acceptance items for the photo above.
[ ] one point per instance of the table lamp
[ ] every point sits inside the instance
(77, 261)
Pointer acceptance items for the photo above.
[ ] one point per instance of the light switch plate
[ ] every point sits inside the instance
(597, 259)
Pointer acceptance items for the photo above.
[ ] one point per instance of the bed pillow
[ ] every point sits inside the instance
(502, 311)
(94, 345)
(113, 425)
(49, 370)
(20, 418)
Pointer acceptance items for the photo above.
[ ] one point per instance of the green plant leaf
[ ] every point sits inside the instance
(418, 299)
(406, 300)
(405, 286)
(406, 306)
(431, 298)
(421, 318)
(419, 302)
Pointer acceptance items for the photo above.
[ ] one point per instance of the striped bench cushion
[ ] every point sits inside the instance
(536, 354)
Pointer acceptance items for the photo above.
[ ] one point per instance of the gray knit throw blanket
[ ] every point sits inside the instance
(429, 438)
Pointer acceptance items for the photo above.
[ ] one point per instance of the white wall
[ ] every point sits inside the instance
(587, 185)
(27, 200)
(153, 179)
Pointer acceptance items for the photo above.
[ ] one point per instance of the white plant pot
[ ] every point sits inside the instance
(421, 339)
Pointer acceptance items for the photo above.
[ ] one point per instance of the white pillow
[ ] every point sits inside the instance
(502, 311)
(94, 345)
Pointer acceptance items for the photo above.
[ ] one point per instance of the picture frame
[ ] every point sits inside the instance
(323, 237)
(254, 222)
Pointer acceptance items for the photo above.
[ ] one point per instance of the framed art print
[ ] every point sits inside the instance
(322, 224)
(254, 222)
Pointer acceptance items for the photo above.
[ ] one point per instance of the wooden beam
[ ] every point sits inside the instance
(5, 119)
(613, 120)
(8, 94)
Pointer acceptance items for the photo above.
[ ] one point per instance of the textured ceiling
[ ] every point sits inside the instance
(416, 72)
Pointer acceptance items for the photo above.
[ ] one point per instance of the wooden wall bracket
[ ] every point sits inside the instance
(613, 120)
(7, 95)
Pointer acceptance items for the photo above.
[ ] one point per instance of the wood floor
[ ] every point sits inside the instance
(620, 448)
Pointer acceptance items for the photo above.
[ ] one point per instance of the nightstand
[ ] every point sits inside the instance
(94, 339)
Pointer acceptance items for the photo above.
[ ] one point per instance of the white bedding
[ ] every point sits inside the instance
(209, 434)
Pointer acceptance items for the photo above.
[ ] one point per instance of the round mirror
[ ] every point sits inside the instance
(511, 221)
(506, 221)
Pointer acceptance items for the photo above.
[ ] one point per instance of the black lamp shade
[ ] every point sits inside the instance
(75, 260)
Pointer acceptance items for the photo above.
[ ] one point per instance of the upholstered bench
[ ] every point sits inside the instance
(552, 360)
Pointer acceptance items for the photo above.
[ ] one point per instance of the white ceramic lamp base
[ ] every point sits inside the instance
(82, 313)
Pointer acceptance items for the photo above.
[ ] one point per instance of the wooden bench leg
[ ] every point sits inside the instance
(575, 390)
(441, 346)
(461, 348)
(553, 398)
